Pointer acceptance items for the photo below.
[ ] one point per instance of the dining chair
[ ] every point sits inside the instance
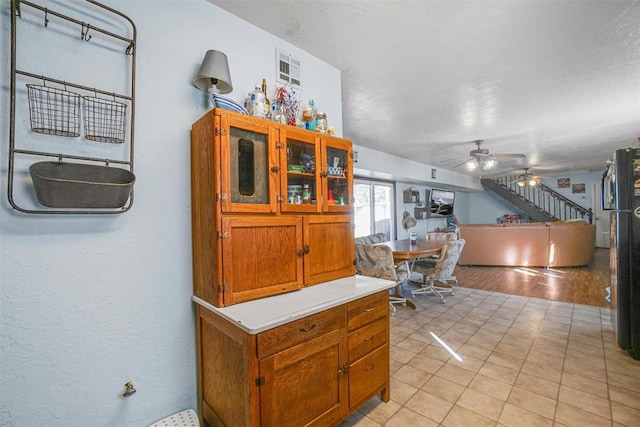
(439, 271)
(372, 238)
(377, 261)
(444, 236)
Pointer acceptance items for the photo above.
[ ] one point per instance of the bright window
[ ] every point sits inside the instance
(374, 208)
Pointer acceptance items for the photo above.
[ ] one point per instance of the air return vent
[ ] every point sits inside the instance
(288, 69)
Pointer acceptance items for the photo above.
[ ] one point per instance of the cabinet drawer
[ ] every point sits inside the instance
(299, 331)
(368, 376)
(368, 338)
(367, 309)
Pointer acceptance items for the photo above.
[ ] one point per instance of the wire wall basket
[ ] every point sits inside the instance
(104, 120)
(54, 111)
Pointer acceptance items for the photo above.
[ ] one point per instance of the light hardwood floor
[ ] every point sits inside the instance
(578, 285)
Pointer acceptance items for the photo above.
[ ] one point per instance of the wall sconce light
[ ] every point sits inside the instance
(213, 76)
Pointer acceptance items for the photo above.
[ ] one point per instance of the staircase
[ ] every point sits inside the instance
(540, 202)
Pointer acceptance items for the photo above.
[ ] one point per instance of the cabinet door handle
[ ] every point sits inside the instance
(307, 329)
(368, 309)
(275, 169)
(300, 252)
(344, 370)
(370, 368)
(369, 339)
(306, 249)
(324, 174)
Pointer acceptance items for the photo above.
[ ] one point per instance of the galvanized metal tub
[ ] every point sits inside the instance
(77, 185)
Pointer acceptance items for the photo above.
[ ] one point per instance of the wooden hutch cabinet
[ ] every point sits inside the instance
(271, 203)
(272, 214)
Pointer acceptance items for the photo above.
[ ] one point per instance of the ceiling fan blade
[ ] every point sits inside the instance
(519, 155)
(466, 161)
(456, 159)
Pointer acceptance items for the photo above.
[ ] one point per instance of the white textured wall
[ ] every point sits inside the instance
(89, 302)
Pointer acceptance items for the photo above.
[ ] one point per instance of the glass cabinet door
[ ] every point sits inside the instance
(248, 166)
(338, 174)
(300, 185)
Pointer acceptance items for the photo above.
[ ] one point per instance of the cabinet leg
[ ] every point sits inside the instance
(385, 393)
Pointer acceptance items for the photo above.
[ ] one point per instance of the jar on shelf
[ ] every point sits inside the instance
(306, 194)
(258, 103)
(321, 124)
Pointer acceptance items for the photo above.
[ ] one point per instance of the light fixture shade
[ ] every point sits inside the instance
(214, 76)
(483, 163)
(472, 165)
(488, 164)
(408, 221)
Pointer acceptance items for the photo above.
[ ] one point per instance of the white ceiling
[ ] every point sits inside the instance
(556, 80)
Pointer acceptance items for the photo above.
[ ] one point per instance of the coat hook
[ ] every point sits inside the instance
(84, 35)
(46, 17)
(129, 50)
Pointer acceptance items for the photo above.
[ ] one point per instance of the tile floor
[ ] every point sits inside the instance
(525, 362)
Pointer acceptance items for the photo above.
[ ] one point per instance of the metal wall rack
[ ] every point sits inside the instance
(18, 7)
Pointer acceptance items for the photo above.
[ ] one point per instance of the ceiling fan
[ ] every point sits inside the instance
(528, 178)
(483, 159)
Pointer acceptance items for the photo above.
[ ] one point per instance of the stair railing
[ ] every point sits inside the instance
(546, 199)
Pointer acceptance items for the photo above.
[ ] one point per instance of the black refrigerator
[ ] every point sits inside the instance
(621, 195)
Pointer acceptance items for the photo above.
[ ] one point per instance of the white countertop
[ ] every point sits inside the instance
(265, 313)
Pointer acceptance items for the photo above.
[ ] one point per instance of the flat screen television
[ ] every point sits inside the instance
(441, 203)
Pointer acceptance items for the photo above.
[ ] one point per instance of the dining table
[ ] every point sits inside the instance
(404, 250)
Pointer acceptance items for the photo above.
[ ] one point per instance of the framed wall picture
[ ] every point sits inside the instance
(564, 182)
(578, 188)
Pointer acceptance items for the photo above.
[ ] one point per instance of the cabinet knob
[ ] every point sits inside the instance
(306, 249)
(275, 169)
(324, 174)
(300, 252)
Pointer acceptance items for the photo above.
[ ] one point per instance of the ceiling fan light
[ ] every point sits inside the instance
(533, 182)
(471, 166)
(521, 183)
(488, 164)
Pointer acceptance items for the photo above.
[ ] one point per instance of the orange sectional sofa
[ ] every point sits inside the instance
(539, 244)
